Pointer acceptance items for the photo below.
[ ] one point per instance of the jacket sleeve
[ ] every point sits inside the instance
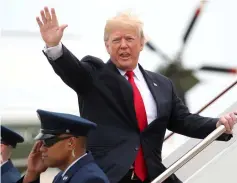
(188, 124)
(96, 179)
(76, 74)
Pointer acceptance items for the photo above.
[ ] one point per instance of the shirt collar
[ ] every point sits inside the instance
(73, 164)
(136, 71)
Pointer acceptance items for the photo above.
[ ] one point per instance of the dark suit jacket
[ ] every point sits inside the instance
(9, 174)
(105, 97)
(84, 170)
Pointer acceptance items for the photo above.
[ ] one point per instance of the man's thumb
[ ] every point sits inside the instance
(62, 27)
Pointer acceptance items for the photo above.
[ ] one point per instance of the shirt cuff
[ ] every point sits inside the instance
(54, 52)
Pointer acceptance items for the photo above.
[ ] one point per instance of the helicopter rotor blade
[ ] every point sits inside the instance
(158, 51)
(189, 30)
(219, 69)
(193, 21)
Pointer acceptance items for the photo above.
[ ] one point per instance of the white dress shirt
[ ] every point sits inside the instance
(54, 52)
(148, 99)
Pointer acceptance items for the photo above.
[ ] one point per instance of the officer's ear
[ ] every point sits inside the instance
(71, 143)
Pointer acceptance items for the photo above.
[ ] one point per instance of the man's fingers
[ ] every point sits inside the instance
(43, 17)
(233, 120)
(36, 147)
(47, 14)
(233, 117)
(39, 22)
(54, 17)
(230, 121)
(225, 122)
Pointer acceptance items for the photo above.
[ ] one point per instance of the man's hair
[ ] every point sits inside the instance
(123, 19)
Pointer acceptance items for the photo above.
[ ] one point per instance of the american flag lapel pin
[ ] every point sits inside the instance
(65, 178)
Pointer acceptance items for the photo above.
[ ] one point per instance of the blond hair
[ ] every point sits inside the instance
(124, 19)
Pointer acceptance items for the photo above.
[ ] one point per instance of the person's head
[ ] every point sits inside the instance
(63, 136)
(6, 152)
(124, 40)
(9, 140)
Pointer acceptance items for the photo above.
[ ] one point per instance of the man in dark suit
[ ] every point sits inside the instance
(62, 144)
(131, 106)
(9, 140)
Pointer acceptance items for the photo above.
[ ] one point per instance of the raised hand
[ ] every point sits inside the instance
(35, 164)
(50, 30)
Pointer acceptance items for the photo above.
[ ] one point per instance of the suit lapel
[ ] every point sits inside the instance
(126, 93)
(153, 86)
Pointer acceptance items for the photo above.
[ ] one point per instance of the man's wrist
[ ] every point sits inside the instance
(50, 45)
(53, 53)
(31, 176)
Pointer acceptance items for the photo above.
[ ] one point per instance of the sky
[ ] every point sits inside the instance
(27, 81)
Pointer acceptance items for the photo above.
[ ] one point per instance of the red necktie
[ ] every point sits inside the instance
(139, 165)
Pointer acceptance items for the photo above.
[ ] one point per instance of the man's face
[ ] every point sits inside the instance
(5, 153)
(55, 151)
(124, 46)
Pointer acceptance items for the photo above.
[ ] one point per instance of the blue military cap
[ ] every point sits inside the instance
(55, 123)
(9, 137)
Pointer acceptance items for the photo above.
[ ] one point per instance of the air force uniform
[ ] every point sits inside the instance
(82, 170)
(9, 173)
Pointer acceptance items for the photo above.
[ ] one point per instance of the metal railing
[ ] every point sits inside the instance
(192, 153)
